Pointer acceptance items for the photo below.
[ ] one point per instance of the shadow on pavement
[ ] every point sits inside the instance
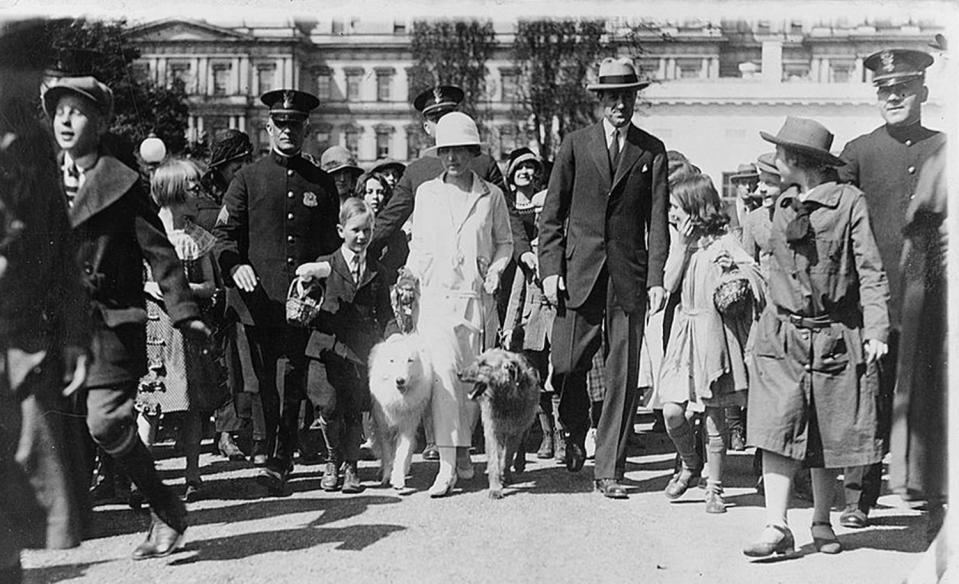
(245, 545)
(51, 574)
(120, 522)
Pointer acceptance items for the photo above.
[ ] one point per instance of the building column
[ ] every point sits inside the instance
(287, 72)
(202, 86)
(714, 68)
(232, 122)
(191, 128)
(857, 74)
(161, 72)
(241, 123)
(824, 70)
(199, 126)
(671, 68)
(661, 72)
(704, 69)
(244, 75)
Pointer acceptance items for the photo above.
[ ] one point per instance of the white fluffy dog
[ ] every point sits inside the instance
(401, 378)
(507, 389)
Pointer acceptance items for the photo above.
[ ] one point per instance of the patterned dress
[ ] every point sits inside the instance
(182, 373)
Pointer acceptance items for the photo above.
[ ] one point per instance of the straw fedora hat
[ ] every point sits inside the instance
(456, 129)
(806, 136)
(617, 74)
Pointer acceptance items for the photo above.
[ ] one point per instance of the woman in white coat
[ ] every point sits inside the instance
(461, 244)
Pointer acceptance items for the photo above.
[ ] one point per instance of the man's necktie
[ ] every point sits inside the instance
(71, 182)
(356, 269)
(614, 152)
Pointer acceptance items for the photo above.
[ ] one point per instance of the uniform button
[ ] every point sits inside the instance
(911, 197)
(88, 269)
(908, 142)
(289, 195)
(808, 367)
(911, 170)
(289, 173)
(289, 216)
(289, 238)
(289, 261)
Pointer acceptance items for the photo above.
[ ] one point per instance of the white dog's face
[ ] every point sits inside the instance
(398, 362)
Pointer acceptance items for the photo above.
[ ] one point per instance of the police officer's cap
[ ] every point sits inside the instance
(289, 105)
(894, 66)
(439, 99)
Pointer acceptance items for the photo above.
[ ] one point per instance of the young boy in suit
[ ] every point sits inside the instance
(355, 315)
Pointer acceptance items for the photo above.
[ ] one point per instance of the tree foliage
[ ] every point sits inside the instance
(453, 52)
(140, 106)
(554, 58)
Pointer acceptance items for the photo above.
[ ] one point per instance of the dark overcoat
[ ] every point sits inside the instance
(805, 356)
(919, 463)
(118, 228)
(885, 165)
(279, 212)
(591, 219)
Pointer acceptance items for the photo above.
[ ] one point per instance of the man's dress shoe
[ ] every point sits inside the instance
(611, 489)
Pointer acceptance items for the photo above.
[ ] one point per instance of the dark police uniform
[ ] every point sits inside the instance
(279, 212)
(885, 165)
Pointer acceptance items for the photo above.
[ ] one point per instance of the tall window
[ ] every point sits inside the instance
(181, 71)
(414, 140)
(353, 79)
(689, 68)
(842, 71)
(141, 71)
(352, 137)
(322, 136)
(507, 140)
(384, 85)
(324, 85)
(221, 79)
(509, 79)
(384, 135)
(266, 76)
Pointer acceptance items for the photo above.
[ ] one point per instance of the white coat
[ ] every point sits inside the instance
(459, 238)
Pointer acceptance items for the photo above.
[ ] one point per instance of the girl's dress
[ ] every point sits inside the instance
(182, 374)
(457, 238)
(704, 362)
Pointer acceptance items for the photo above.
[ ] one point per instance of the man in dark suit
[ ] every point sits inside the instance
(885, 164)
(116, 229)
(607, 194)
(278, 213)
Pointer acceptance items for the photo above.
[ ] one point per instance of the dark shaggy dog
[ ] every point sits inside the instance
(507, 389)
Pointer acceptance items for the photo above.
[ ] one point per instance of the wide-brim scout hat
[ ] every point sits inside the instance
(289, 105)
(895, 66)
(745, 172)
(519, 156)
(337, 158)
(456, 129)
(439, 99)
(617, 74)
(806, 136)
(767, 164)
(387, 164)
(87, 86)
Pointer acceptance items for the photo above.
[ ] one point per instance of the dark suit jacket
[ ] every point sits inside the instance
(118, 228)
(591, 219)
(352, 317)
(400, 206)
(280, 213)
(885, 165)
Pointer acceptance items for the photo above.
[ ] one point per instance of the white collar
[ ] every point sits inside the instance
(349, 254)
(608, 130)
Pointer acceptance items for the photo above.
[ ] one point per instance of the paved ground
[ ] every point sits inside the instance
(550, 527)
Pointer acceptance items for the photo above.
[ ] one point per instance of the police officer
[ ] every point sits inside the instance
(885, 165)
(278, 213)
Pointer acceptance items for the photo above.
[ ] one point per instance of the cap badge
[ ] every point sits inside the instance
(888, 61)
(288, 100)
(438, 94)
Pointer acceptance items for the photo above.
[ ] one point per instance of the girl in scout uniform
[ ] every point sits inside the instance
(810, 399)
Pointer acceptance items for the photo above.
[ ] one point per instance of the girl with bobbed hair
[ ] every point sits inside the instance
(704, 368)
(182, 380)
